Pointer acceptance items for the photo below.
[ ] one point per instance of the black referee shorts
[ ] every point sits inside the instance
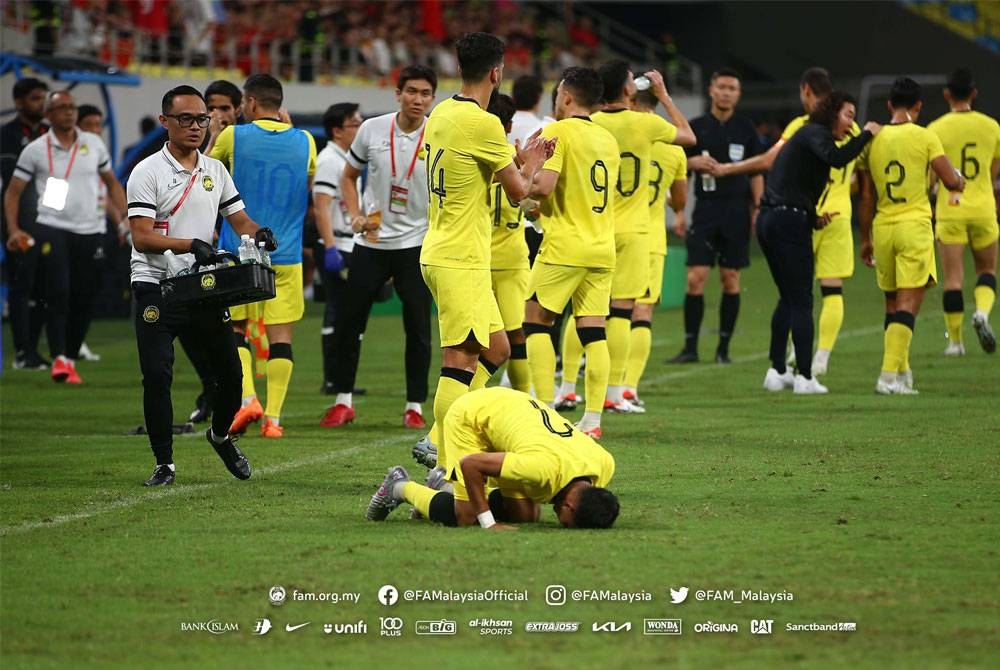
(720, 233)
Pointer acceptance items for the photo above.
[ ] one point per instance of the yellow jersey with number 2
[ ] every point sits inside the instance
(898, 160)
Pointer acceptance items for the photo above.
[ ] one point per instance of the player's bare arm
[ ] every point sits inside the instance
(685, 136)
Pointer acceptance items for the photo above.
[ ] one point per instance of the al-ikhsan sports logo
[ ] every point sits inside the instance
(151, 314)
(208, 282)
(207, 183)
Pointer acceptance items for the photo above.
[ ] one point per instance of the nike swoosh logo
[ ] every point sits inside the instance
(289, 627)
(174, 185)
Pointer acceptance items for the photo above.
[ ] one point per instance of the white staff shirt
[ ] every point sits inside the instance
(155, 187)
(371, 148)
(81, 213)
(522, 126)
(329, 169)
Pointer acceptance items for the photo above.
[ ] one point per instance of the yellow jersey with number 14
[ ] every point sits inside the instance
(668, 165)
(635, 133)
(837, 194)
(972, 142)
(898, 160)
(578, 216)
(464, 146)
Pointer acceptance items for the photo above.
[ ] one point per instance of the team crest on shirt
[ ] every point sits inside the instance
(84, 150)
(208, 282)
(151, 314)
(207, 183)
(736, 152)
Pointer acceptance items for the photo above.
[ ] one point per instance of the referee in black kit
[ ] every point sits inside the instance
(723, 215)
(174, 197)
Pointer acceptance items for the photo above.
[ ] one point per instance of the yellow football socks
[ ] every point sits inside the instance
(897, 348)
(618, 345)
(597, 373)
(419, 496)
(279, 373)
(984, 296)
(831, 318)
(542, 362)
(246, 364)
(640, 344)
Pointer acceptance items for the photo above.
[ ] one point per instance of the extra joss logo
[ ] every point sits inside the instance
(552, 626)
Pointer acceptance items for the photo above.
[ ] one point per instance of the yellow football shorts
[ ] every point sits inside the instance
(465, 303)
(977, 234)
(656, 263)
(631, 277)
(556, 285)
(510, 288)
(904, 255)
(288, 304)
(833, 247)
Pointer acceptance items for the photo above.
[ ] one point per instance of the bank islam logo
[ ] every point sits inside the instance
(555, 594)
(761, 626)
(277, 595)
(661, 626)
(213, 626)
(388, 595)
(442, 627)
(677, 596)
(611, 627)
(390, 626)
(262, 627)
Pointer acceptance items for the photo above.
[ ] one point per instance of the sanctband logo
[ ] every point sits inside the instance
(213, 626)
(761, 626)
(442, 627)
(661, 626)
(611, 627)
(390, 626)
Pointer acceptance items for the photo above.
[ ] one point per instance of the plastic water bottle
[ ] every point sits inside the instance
(707, 180)
(642, 83)
(247, 251)
(265, 257)
(175, 266)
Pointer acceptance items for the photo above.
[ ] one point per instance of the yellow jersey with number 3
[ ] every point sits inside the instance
(579, 216)
(837, 194)
(898, 159)
(972, 142)
(635, 133)
(508, 249)
(464, 147)
(668, 165)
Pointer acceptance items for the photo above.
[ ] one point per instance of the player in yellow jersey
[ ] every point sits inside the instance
(577, 257)
(899, 243)
(509, 269)
(635, 133)
(972, 142)
(833, 245)
(465, 150)
(509, 454)
(668, 185)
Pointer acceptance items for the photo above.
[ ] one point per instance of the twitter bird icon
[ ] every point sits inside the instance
(677, 596)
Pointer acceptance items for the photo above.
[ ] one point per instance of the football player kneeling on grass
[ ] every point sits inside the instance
(503, 455)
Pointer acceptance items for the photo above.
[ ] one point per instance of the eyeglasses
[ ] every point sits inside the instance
(62, 108)
(185, 120)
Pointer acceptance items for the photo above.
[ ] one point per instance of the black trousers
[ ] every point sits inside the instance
(334, 290)
(785, 236)
(370, 270)
(67, 268)
(156, 327)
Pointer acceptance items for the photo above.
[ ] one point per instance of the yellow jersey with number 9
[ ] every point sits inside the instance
(668, 165)
(972, 142)
(509, 250)
(837, 194)
(898, 159)
(635, 133)
(464, 147)
(579, 216)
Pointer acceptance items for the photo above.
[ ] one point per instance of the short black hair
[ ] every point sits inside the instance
(585, 84)
(335, 115)
(24, 87)
(596, 508)
(502, 106)
(829, 107)
(265, 89)
(478, 53)
(146, 125)
(167, 103)
(226, 88)
(646, 99)
(83, 111)
(417, 72)
(905, 93)
(613, 75)
(961, 84)
(726, 72)
(818, 79)
(527, 91)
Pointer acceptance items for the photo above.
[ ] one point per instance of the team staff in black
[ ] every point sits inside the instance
(174, 197)
(26, 317)
(784, 230)
(723, 214)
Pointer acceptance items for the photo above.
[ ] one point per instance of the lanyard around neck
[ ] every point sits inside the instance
(76, 146)
(187, 190)
(392, 149)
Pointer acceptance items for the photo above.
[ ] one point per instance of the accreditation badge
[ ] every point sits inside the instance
(55, 193)
(736, 152)
(398, 197)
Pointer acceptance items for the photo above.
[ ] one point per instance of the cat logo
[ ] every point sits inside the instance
(151, 314)
(208, 282)
(207, 183)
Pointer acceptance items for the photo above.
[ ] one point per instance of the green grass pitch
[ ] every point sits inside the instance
(881, 511)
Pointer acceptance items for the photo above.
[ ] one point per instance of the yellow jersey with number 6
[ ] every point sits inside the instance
(972, 142)
(899, 159)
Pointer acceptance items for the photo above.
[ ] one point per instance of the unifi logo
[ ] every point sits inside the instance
(359, 628)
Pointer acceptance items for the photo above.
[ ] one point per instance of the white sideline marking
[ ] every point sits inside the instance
(169, 491)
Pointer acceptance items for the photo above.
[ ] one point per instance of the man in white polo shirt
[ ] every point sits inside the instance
(174, 197)
(387, 245)
(66, 164)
